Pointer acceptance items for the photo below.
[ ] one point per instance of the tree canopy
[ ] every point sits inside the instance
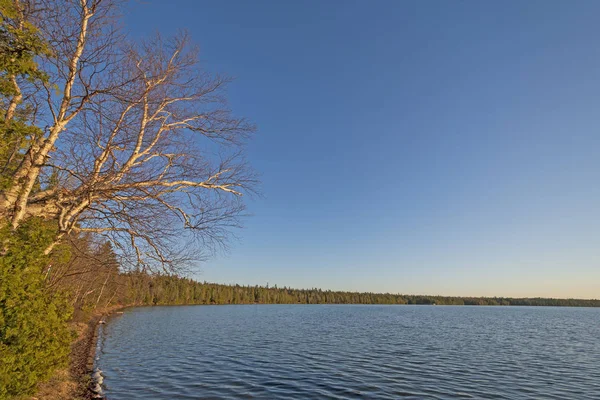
(133, 141)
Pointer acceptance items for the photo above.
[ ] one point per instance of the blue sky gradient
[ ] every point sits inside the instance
(439, 147)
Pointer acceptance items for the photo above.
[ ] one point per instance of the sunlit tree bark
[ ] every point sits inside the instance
(137, 145)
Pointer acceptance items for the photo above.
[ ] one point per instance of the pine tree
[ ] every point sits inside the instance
(34, 338)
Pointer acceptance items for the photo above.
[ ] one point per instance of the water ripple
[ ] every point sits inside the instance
(351, 352)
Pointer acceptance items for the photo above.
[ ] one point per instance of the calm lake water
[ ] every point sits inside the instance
(351, 351)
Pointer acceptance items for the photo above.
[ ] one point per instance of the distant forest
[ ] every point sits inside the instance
(144, 289)
(93, 278)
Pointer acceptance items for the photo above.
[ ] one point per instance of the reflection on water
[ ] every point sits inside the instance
(345, 352)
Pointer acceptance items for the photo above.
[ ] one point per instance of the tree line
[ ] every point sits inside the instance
(92, 277)
(144, 289)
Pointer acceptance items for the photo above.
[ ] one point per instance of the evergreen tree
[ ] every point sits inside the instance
(34, 338)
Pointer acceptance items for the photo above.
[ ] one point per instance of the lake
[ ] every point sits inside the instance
(351, 352)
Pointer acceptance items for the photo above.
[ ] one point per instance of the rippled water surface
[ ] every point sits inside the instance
(347, 352)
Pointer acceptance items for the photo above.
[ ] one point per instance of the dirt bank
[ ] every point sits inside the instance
(72, 383)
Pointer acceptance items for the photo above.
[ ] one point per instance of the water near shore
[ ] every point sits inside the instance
(339, 352)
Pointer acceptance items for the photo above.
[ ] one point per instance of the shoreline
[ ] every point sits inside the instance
(74, 381)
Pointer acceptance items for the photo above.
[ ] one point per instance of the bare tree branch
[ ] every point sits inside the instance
(140, 146)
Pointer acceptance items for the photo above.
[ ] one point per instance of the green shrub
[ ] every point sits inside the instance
(34, 336)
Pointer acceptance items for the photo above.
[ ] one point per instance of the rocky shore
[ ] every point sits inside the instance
(75, 382)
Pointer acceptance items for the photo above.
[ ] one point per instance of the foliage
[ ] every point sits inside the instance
(34, 338)
(20, 44)
(139, 288)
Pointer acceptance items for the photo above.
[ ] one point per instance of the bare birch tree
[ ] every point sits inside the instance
(138, 143)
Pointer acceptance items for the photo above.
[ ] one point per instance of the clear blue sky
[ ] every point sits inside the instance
(439, 147)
